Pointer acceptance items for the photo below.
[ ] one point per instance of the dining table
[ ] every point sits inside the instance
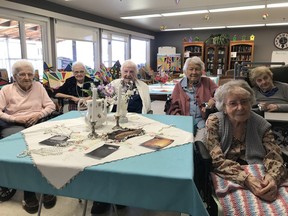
(160, 180)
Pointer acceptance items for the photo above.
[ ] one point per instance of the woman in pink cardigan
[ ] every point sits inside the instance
(22, 104)
(193, 94)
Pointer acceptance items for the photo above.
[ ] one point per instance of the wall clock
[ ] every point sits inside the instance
(281, 40)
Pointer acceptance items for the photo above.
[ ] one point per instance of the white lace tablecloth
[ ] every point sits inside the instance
(59, 165)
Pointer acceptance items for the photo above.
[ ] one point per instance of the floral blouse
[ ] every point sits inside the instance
(229, 167)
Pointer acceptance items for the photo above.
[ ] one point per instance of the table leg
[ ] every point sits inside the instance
(115, 209)
(85, 208)
(40, 204)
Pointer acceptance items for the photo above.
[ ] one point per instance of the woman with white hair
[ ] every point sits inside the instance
(22, 104)
(139, 102)
(193, 94)
(237, 136)
(73, 87)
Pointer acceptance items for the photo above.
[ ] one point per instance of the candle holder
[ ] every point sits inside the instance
(117, 126)
(93, 134)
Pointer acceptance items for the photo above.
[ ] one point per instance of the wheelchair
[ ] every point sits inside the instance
(203, 179)
(6, 193)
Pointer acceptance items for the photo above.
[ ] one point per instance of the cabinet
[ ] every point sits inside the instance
(216, 59)
(195, 48)
(240, 51)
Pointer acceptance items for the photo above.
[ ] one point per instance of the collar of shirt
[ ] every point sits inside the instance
(184, 85)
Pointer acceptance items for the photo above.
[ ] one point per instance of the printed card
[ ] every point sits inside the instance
(55, 140)
(103, 151)
(157, 142)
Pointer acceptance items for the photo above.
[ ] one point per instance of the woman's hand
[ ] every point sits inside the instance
(33, 119)
(253, 184)
(269, 191)
(265, 189)
(75, 99)
(28, 120)
(272, 107)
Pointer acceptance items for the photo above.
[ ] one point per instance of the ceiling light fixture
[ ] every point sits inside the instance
(246, 26)
(141, 16)
(210, 27)
(277, 5)
(276, 24)
(207, 17)
(252, 7)
(163, 27)
(184, 13)
(265, 16)
(178, 29)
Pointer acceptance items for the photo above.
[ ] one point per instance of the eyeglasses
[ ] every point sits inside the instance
(79, 72)
(234, 104)
(22, 75)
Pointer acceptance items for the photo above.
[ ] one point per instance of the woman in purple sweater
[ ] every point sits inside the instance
(193, 94)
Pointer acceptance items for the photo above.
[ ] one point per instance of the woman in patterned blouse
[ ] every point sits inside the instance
(237, 136)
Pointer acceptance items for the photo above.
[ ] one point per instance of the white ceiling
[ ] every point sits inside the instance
(114, 9)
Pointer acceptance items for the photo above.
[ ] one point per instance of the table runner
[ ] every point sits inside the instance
(59, 165)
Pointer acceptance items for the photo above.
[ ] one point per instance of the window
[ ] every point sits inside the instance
(114, 47)
(76, 43)
(140, 51)
(29, 46)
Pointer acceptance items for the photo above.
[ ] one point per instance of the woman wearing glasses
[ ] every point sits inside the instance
(72, 89)
(22, 104)
(237, 136)
(193, 94)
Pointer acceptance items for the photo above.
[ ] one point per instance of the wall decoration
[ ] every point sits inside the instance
(252, 37)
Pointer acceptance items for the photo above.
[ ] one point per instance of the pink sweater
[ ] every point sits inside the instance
(16, 102)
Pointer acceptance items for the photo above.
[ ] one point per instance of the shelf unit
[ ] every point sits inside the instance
(239, 51)
(216, 58)
(195, 48)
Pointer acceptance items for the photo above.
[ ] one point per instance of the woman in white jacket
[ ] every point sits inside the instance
(139, 102)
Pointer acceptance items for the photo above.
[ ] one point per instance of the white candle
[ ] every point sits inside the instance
(94, 101)
(118, 112)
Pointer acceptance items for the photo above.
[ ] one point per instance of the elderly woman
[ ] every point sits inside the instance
(140, 102)
(237, 136)
(73, 87)
(270, 95)
(193, 94)
(22, 104)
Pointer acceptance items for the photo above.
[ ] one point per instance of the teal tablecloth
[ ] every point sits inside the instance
(162, 180)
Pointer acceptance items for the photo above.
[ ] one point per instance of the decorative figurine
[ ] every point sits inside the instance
(252, 37)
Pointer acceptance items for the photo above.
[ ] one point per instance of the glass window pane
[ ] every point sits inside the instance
(114, 48)
(105, 56)
(64, 52)
(75, 43)
(118, 51)
(139, 51)
(9, 43)
(33, 34)
(84, 53)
